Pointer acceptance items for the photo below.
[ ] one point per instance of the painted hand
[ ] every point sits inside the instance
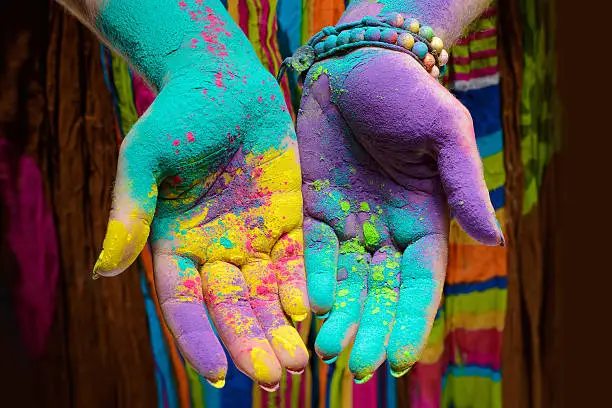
(385, 151)
(212, 171)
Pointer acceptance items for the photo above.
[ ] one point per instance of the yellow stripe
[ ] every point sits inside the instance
(475, 46)
(253, 30)
(232, 7)
(272, 38)
(476, 64)
(256, 395)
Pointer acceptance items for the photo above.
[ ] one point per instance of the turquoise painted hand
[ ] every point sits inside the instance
(211, 174)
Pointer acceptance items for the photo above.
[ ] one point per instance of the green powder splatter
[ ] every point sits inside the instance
(318, 72)
(343, 292)
(345, 205)
(352, 246)
(226, 243)
(364, 207)
(318, 185)
(370, 234)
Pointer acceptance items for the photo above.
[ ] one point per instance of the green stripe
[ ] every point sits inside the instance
(335, 389)
(475, 46)
(477, 302)
(476, 64)
(494, 170)
(473, 392)
(123, 85)
(195, 387)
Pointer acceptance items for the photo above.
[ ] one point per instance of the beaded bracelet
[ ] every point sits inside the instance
(393, 33)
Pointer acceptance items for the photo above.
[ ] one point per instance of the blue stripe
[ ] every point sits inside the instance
(498, 282)
(498, 197)
(472, 371)
(391, 387)
(490, 144)
(485, 107)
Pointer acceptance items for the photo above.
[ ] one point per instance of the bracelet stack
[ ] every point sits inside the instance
(394, 32)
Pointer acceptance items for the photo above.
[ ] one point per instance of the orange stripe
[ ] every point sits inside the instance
(475, 263)
(179, 368)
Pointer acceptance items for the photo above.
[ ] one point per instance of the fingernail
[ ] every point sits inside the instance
(501, 233)
(398, 374)
(323, 316)
(269, 389)
(295, 372)
(363, 380)
(217, 384)
(331, 360)
(299, 317)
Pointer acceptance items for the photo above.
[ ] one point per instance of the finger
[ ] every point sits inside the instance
(340, 328)
(285, 340)
(422, 277)
(321, 259)
(369, 350)
(462, 177)
(227, 298)
(179, 290)
(134, 199)
(288, 263)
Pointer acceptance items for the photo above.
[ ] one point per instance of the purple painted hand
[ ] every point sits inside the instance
(385, 151)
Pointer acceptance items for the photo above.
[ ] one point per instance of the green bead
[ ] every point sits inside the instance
(427, 32)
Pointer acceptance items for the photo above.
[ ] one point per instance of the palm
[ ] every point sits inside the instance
(375, 193)
(227, 229)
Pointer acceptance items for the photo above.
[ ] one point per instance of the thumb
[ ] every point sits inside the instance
(463, 182)
(134, 200)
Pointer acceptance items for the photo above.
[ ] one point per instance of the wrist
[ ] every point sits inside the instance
(161, 38)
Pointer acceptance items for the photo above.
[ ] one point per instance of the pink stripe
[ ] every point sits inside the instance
(475, 73)
(474, 56)
(263, 31)
(243, 16)
(477, 35)
(490, 12)
(477, 347)
(426, 383)
(365, 395)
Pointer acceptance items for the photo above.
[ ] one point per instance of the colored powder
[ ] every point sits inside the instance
(318, 185)
(364, 207)
(226, 243)
(318, 72)
(345, 205)
(370, 234)
(352, 246)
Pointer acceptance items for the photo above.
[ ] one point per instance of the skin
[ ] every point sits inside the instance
(386, 151)
(211, 174)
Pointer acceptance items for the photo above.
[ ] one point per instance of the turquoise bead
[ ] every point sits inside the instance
(372, 34)
(319, 48)
(427, 32)
(420, 49)
(344, 37)
(357, 35)
(331, 42)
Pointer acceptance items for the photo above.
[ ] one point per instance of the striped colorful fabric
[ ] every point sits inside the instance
(461, 364)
